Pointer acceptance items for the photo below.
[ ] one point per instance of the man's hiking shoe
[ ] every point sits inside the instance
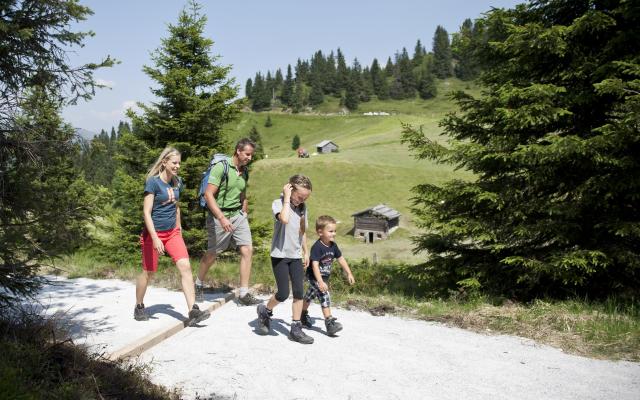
(333, 327)
(248, 300)
(264, 320)
(297, 335)
(199, 293)
(306, 319)
(196, 315)
(139, 313)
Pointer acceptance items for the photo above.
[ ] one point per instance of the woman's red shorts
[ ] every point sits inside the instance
(173, 245)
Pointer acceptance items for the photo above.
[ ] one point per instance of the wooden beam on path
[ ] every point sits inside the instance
(143, 344)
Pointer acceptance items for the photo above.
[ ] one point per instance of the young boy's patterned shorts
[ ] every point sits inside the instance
(314, 292)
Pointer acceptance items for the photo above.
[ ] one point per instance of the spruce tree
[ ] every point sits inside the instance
(316, 96)
(442, 53)
(553, 145)
(268, 123)
(254, 135)
(248, 89)
(342, 74)
(45, 205)
(287, 88)
(462, 46)
(352, 95)
(196, 98)
(377, 77)
(299, 97)
(389, 68)
(295, 142)
(418, 53)
(329, 82)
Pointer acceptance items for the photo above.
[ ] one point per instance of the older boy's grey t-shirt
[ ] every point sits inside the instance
(287, 238)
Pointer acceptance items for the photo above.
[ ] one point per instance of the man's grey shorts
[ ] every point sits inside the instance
(218, 240)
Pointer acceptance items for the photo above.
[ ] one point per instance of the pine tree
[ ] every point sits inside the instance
(418, 53)
(299, 97)
(302, 70)
(196, 98)
(352, 95)
(329, 82)
(442, 53)
(316, 96)
(295, 142)
(462, 47)
(553, 145)
(248, 89)
(261, 95)
(389, 68)
(254, 135)
(287, 88)
(342, 74)
(45, 207)
(268, 123)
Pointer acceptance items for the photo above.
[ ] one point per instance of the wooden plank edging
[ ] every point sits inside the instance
(137, 347)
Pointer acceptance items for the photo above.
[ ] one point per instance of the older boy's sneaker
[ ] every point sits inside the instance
(139, 313)
(264, 320)
(248, 300)
(333, 327)
(297, 335)
(196, 315)
(199, 293)
(306, 319)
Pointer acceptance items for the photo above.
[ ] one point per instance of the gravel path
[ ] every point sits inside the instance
(372, 358)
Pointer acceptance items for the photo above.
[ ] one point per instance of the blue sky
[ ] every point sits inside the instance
(252, 36)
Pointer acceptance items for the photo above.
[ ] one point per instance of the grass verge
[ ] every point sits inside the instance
(38, 361)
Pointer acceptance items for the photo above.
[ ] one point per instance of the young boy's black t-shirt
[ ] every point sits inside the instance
(324, 255)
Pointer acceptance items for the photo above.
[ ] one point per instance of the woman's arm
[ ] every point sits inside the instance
(147, 206)
(178, 221)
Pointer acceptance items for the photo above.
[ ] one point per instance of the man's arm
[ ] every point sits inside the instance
(210, 197)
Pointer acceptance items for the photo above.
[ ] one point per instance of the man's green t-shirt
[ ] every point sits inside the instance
(228, 196)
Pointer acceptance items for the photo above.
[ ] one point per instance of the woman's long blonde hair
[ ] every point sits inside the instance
(158, 166)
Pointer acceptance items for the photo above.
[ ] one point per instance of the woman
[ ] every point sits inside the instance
(162, 232)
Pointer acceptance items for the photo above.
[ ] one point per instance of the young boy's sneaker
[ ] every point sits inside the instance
(332, 325)
(199, 293)
(306, 319)
(297, 335)
(248, 300)
(264, 320)
(196, 315)
(139, 313)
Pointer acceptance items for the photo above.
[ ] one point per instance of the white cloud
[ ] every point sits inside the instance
(130, 104)
(104, 82)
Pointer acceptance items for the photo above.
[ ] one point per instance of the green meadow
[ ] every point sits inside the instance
(371, 167)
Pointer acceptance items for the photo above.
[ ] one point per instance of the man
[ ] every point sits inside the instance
(227, 223)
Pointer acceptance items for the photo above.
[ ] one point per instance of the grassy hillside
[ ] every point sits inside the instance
(372, 166)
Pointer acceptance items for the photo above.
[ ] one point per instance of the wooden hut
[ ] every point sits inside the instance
(375, 223)
(326, 146)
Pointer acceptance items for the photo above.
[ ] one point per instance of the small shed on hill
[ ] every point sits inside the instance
(326, 146)
(375, 223)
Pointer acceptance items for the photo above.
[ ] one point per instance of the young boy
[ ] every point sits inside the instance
(323, 252)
